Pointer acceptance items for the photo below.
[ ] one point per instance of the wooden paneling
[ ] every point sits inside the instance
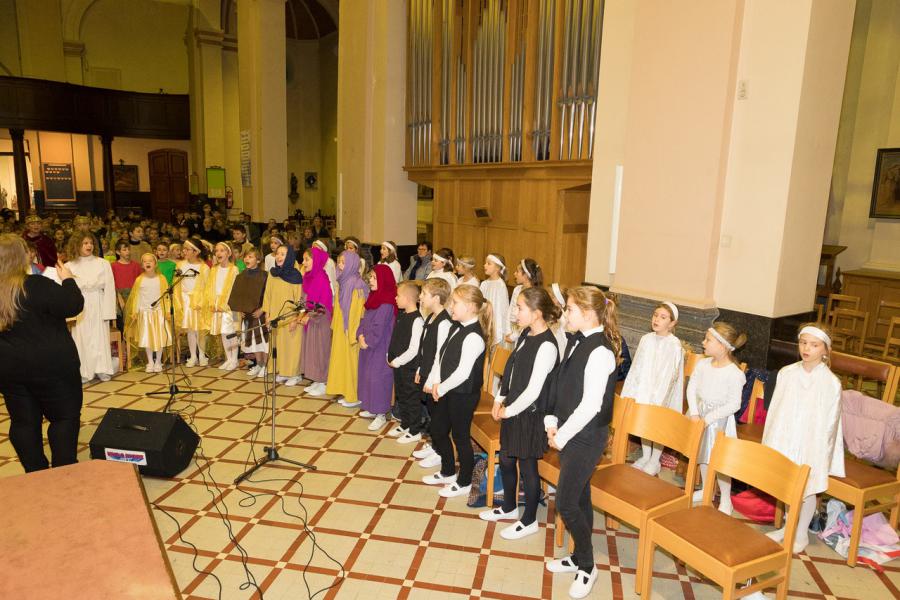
(52, 106)
(538, 210)
(872, 286)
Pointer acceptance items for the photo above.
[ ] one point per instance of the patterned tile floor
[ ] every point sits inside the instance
(367, 509)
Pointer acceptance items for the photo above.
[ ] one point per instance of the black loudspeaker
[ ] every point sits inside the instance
(160, 444)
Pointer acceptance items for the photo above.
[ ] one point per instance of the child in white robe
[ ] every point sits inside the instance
(528, 274)
(218, 290)
(657, 376)
(493, 288)
(804, 422)
(442, 266)
(146, 325)
(94, 277)
(190, 300)
(465, 271)
(714, 395)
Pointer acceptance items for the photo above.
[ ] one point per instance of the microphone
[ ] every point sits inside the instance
(187, 273)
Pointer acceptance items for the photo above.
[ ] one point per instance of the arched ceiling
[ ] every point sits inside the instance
(304, 19)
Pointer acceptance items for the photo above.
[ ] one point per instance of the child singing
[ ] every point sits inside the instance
(493, 288)
(374, 335)
(146, 325)
(190, 300)
(218, 291)
(343, 365)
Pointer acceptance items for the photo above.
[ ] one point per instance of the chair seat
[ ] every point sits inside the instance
(751, 431)
(634, 486)
(862, 475)
(724, 538)
(487, 425)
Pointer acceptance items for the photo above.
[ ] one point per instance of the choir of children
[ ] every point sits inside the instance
(423, 345)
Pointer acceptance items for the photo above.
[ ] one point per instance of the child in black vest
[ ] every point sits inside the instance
(520, 407)
(435, 293)
(403, 356)
(455, 385)
(577, 423)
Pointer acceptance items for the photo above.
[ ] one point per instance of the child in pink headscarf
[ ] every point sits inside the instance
(317, 322)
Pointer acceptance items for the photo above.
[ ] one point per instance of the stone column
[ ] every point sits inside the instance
(23, 194)
(263, 105)
(207, 107)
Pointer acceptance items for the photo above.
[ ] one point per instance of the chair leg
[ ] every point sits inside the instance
(779, 515)
(559, 530)
(612, 524)
(639, 564)
(645, 589)
(855, 532)
(571, 544)
(491, 467)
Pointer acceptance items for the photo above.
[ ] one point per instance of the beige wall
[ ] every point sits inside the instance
(870, 120)
(328, 94)
(304, 118)
(9, 39)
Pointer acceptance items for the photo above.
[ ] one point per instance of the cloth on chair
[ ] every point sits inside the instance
(871, 429)
(878, 542)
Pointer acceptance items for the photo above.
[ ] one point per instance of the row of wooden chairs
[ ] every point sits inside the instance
(850, 326)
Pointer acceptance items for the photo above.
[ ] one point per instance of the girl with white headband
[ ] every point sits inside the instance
(442, 265)
(493, 288)
(557, 294)
(657, 375)
(145, 324)
(274, 242)
(220, 316)
(528, 274)
(190, 300)
(465, 271)
(804, 422)
(714, 395)
(389, 258)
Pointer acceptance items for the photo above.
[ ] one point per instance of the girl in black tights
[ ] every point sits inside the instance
(520, 405)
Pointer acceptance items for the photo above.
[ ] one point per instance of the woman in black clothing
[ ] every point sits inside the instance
(39, 364)
(520, 405)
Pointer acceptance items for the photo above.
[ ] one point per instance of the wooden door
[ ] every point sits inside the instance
(168, 182)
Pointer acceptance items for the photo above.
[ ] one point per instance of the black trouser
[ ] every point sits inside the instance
(58, 398)
(577, 461)
(408, 397)
(452, 415)
(529, 472)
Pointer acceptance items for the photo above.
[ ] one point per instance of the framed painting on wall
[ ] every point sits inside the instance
(886, 187)
(125, 178)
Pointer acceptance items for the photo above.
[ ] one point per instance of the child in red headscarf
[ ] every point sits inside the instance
(376, 378)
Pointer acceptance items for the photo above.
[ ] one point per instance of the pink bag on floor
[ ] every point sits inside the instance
(755, 505)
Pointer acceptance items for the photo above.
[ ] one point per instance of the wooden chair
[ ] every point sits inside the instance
(849, 329)
(750, 430)
(891, 351)
(836, 301)
(485, 431)
(493, 368)
(548, 466)
(722, 548)
(629, 494)
(884, 315)
(850, 367)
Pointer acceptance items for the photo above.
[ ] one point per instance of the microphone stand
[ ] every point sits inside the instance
(271, 451)
(173, 391)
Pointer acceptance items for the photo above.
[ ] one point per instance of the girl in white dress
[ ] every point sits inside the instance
(389, 258)
(804, 422)
(528, 274)
(657, 375)
(218, 291)
(190, 300)
(94, 277)
(493, 288)
(714, 395)
(558, 294)
(146, 325)
(465, 271)
(442, 266)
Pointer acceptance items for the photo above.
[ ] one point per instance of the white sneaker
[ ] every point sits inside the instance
(698, 496)
(396, 431)
(652, 469)
(231, 365)
(453, 490)
(562, 565)
(281, 379)
(254, 371)
(517, 530)
(316, 389)
(203, 361)
(224, 366)
(430, 462)
(346, 404)
(377, 423)
(366, 414)
(149, 368)
(407, 438)
(158, 368)
(292, 381)
(191, 362)
(583, 583)
(104, 376)
(497, 514)
(438, 479)
(424, 452)
(261, 374)
(640, 463)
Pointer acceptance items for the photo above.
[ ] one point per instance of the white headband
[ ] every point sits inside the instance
(460, 261)
(525, 269)
(496, 261)
(558, 293)
(673, 308)
(438, 257)
(349, 241)
(816, 333)
(721, 338)
(391, 246)
(320, 245)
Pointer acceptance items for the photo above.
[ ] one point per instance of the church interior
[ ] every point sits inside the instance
(736, 159)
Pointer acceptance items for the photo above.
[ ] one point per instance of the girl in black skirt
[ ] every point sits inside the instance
(521, 404)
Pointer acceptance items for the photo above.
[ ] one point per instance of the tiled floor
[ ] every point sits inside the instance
(379, 532)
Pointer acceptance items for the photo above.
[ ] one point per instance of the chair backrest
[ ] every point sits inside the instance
(760, 467)
(885, 313)
(620, 409)
(850, 366)
(892, 341)
(495, 366)
(850, 324)
(840, 301)
(691, 359)
(663, 426)
(758, 391)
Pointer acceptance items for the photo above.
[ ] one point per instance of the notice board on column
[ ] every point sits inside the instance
(59, 183)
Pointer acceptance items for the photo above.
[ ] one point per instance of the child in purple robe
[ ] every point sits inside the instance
(376, 379)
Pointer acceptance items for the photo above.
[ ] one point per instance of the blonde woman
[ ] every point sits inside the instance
(33, 313)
